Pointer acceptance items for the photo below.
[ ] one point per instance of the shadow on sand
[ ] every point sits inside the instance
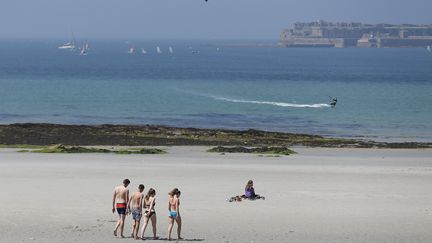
(173, 240)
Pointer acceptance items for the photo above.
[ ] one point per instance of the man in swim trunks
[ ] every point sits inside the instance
(120, 201)
(136, 200)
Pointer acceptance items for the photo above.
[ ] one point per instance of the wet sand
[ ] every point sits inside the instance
(318, 195)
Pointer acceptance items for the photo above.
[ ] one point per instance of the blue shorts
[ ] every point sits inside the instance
(173, 214)
(136, 214)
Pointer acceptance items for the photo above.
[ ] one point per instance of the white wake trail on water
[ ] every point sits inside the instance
(281, 104)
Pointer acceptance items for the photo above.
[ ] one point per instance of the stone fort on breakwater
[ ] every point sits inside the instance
(340, 34)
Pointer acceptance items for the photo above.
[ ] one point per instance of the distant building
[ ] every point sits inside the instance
(329, 34)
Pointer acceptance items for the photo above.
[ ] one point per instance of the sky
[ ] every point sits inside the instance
(193, 19)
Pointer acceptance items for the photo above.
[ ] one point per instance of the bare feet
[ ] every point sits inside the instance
(115, 233)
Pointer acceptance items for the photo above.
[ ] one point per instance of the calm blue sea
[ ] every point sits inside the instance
(384, 94)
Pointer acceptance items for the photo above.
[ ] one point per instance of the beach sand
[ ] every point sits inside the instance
(317, 195)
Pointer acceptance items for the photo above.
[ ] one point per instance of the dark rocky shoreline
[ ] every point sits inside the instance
(155, 135)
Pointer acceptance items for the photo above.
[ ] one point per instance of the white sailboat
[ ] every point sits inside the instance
(84, 49)
(158, 50)
(143, 51)
(171, 50)
(131, 50)
(69, 45)
(429, 48)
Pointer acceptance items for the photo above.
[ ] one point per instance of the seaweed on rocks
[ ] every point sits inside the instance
(141, 151)
(42, 134)
(257, 150)
(59, 148)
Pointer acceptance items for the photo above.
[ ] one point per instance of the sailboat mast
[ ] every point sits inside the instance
(72, 35)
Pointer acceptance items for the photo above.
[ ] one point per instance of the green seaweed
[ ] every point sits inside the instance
(70, 150)
(78, 149)
(23, 146)
(270, 151)
(17, 135)
(141, 151)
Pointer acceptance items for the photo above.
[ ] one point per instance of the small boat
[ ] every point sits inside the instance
(83, 51)
(429, 48)
(158, 50)
(171, 50)
(69, 45)
(195, 52)
(131, 50)
(143, 51)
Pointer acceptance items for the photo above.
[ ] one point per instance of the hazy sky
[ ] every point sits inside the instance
(221, 19)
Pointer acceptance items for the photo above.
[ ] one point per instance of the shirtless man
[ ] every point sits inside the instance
(136, 200)
(120, 201)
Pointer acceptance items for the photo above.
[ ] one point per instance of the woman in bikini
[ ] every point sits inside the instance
(174, 212)
(149, 212)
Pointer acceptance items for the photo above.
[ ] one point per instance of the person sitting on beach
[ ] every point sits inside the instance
(174, 212)
(249, 194)
(149, 212)
(120, 201)
(136, 200)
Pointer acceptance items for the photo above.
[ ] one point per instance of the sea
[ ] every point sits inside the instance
(383, 94)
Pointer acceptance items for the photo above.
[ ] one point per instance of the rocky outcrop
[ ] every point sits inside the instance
(153, 135)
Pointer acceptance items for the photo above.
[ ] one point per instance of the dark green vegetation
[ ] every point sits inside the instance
(77, 149)
(152, 135)
(141, 151)
(23, 146)
(258, 150)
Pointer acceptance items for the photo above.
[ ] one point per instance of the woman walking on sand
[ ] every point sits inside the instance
(174, 212)
(149, 212)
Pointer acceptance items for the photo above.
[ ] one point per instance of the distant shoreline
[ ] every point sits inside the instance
(158, 135)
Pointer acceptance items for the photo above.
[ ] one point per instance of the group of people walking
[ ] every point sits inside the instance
(139, 205)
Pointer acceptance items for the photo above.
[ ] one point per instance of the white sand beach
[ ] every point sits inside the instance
(317, 195)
